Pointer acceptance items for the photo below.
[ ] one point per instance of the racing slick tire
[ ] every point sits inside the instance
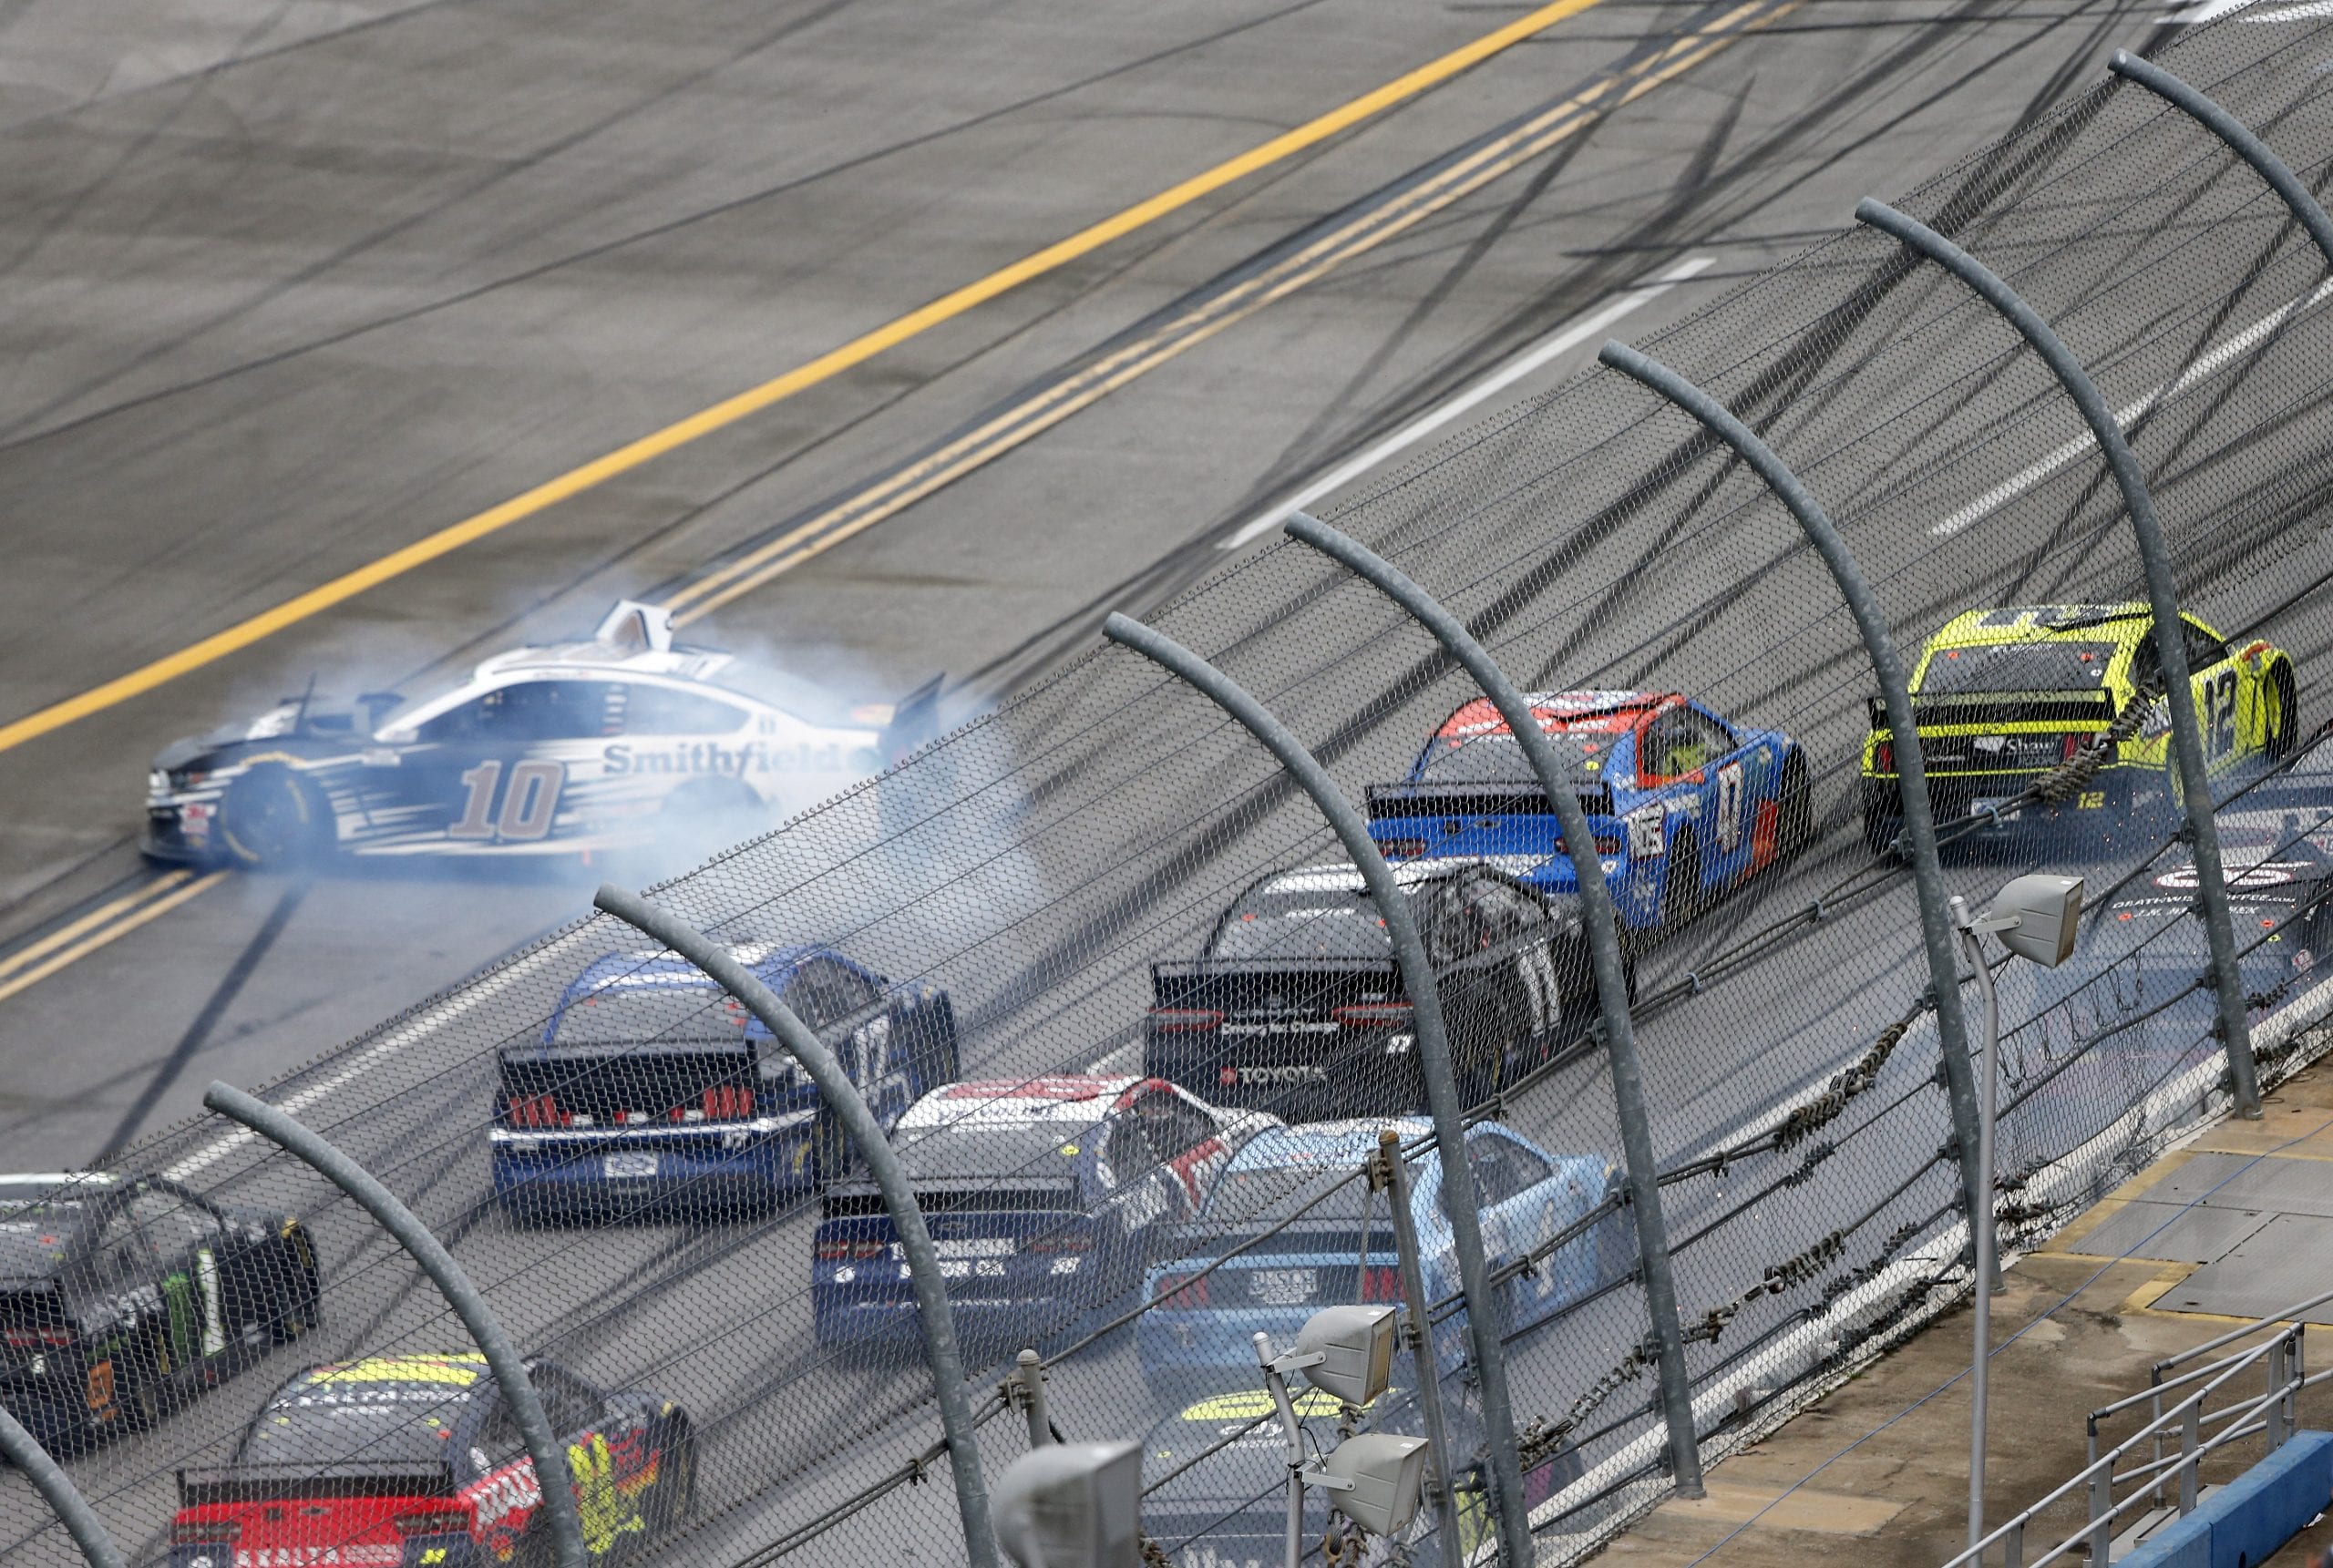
(830, 1150)
(1881, 825)
(710, 813)
(933, 1054)
(1795, 831)
(270, 819)
(2284, 727)
(142, 1388)
(673, 1507)
(1682, 897)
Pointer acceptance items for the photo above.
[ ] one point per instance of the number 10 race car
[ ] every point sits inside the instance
(626, 740)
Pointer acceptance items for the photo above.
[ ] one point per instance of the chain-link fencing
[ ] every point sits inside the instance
(1133, 1025)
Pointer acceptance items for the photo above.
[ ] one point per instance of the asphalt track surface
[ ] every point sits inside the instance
(290, 302)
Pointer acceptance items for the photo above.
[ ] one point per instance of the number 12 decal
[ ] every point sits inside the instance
(2219, 713)
(528, 805)
(1728, 807)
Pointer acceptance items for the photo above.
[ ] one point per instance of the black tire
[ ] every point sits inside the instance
(830, 1148)
(141, 1388)
(675, 1507)
(1794, 811)
(710, 813)
(270, 819)
(934, 1053)
(303, 1295)
(2283, 731)
(1682, 897)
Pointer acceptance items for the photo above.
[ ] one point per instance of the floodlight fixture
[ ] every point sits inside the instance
(1355, 1349)
(1385, 1475)
(2036, 917)
(1072, 1505)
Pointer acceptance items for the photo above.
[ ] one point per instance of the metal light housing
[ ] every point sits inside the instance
(2036, 917)
(1388, 1475)
(1355, 1345)
(1072, 1505)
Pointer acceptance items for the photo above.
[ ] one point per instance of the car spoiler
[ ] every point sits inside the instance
(1206, 969)
(277, 1482)
(864, 1200)
(1523, 797)
(2001, 708)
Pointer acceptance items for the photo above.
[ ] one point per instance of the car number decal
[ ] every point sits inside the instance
(1728, 807)
(528, 805)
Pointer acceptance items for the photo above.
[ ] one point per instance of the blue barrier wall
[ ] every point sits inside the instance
(2242, 1524)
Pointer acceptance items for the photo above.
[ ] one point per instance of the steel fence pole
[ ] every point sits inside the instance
(2240, 140)
(1395, 1176)
(841, 1095)
(1458, 1192)
(56, 1489)
(509, 1368)
(1604, 949)
(2163, 597)
(1936, 934)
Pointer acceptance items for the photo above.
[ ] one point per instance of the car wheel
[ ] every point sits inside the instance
(1881, 826)
(933, 1054)
(707, 814)
(830, 1148)
(1682, 896)
(2284, 720)
(270, 818)
(141, 1386)
(677, 1486)
(1795, 830)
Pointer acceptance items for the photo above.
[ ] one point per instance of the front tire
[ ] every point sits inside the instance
(1795, 831)
(1682, 896)
(270, 819)
(1881, 826)
(2284, 722)
(674, 1507)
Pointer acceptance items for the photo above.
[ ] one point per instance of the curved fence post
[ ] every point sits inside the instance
(1604, 950)
(1911, 768)
(1458, 1200)
(56, 1489)
(543, 1446)
(2162, 598)
(2239, 138)
(841, 1095)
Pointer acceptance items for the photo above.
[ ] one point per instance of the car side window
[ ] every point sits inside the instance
(2146, 663)
(569, 1403)
(528, 711)
(645, 710)
(499, 1437)
(1528, 1170)
(1681, 741)
(123, 1256)
(2204, 650)
(1494, 1178)
(824, 993)
(1129, 1150)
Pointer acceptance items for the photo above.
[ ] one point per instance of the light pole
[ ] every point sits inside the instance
(2036, 917)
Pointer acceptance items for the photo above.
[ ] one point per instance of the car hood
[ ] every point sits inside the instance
(326, 723)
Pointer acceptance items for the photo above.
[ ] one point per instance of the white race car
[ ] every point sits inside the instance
(626, 741)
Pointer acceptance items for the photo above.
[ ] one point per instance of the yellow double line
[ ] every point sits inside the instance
(647, 449)
(1035, 415)
(36, 961)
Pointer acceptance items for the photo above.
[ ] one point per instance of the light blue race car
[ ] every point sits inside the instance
(1201, 1329)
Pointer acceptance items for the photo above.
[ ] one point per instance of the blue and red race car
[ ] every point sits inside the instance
(1684, 804)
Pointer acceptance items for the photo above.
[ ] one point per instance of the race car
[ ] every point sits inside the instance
(627, 741)
(1297, 1006)
(1044, 1196)
(122, 1296)
(1322, 1252)
(1217, 1479)
(1684, 804)
(653, 1092)
(2003, 698)
(413, 1460)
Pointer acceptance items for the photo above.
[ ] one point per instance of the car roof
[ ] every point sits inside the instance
(656, 967)
(454, 1368)
(1067, 1097)
(2118, 624)
(1587, 708)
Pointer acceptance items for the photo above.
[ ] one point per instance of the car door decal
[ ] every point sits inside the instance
(1728, 825)
(528, 807)
(2219, 713)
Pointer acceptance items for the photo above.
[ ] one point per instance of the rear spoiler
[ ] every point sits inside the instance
(1207, 969)
(1523, 797)
(864, 1200)
(915, 723)
(278, 1482)
(2000, 707)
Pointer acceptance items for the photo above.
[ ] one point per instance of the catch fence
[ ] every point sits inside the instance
(1107, 882)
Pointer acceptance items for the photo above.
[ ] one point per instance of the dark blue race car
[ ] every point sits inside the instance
(651, 1091)
(1046, 1198)
(1684, 804)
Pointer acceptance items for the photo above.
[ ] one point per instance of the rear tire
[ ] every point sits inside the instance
(2284, 724)
(674, 1507)
(1881, 827)
(271, 820)
(1795, 829)
(829, 1149)
(1683, 896)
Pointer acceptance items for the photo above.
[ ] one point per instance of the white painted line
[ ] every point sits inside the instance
(2210, 364)
(1569, 336)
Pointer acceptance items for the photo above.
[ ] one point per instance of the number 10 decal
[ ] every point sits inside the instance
(528, 805)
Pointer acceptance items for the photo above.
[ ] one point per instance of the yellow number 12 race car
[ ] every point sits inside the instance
(2069, 697)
